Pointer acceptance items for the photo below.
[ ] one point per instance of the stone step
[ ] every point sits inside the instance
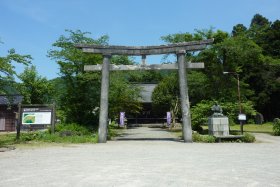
(151, 125)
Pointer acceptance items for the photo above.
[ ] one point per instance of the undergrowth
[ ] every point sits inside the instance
(64, 133)
(203, 138)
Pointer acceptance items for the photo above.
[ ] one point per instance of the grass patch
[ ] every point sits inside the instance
(7, 139)
(44, 137)
(253, 128)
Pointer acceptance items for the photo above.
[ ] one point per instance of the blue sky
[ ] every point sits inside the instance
(32, 26)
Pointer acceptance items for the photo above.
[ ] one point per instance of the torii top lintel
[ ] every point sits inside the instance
(145, 50)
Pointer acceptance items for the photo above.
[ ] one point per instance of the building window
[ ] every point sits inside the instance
(2, 123)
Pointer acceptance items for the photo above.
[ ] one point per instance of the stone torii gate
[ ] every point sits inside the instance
(179, 49)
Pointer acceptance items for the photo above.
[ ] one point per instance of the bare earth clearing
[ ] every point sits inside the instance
(145, 157)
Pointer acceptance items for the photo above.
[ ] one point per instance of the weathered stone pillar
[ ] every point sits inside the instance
(104, 101)
(143, 60)
(185, 104)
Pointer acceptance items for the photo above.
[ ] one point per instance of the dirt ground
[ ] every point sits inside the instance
(144, 157)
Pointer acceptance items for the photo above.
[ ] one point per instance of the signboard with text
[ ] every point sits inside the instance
(242, 117)
(36, 116)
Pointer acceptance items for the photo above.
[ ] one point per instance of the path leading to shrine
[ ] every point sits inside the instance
(144, 157)
(146, 134)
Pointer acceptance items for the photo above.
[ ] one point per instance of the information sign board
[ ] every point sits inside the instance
(36, 116)
(242, 117)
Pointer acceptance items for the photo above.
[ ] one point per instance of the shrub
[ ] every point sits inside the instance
(7, 139)
(248, 138)
(231, 110)
(72, 129)
(203, 138)
(65, 133)
(112, 130)
(197, 128)
(28, 136)
(200, 113)
(276, 127)
(45, 136)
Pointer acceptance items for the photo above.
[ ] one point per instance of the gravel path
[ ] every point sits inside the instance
(144, 157)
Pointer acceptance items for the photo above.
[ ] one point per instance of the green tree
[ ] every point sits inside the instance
(239, 29)
(121, 59)
(81, 90)
(7, 69)
(259, 21)
(264, 80)
(235, 54)
(123, 96)
(253, 53)
(153, 76)
(34, 88)
(166, 96)
(258, 30)
(272, 38)
(262, 75)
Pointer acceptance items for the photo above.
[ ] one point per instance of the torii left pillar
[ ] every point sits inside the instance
(104, 100)
(184, 97)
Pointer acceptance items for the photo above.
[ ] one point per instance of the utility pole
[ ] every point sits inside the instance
(239, 97)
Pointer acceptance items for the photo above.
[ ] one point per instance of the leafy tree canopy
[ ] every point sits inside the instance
(252, 53)
(7, 68)
(80, 97)
(81, 90)
(34, 88)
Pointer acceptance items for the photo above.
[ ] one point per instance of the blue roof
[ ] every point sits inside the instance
(10, 99)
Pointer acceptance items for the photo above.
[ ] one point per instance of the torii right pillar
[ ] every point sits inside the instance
(184, 97)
